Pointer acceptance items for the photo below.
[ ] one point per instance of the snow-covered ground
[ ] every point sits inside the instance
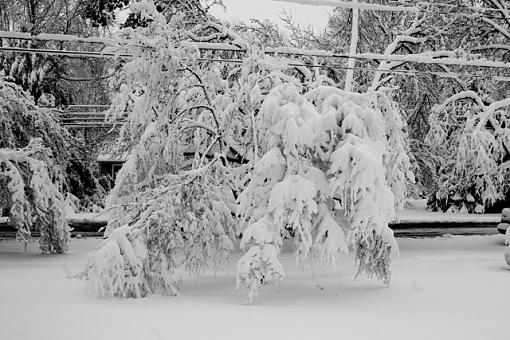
(442, 288)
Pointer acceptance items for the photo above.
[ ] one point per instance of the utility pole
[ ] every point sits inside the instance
(349, 77)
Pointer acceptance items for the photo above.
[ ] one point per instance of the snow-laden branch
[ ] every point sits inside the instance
(405, 37)
(221, 33)
(206, 94)
(458, 96)
(487, 114)
(54, 37)
(486, 109)
(489, 110)
(497, 27)
(191, 124)
(194, 107)
(501, 7)
(491, 47)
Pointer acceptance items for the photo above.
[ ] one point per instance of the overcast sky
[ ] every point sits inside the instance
(317, 16)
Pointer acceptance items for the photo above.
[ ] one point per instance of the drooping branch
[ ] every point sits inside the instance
(504, 32)
(491, 47)
(406, 37)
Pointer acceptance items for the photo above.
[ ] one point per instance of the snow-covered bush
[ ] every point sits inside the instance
(34, 200)
(473, 140)
(323, 182)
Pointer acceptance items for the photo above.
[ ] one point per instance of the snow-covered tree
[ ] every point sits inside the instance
(322, 182)
(21, 120)
(41, 73)
(173, 201)
(33, 169)
(463, 29)
(34, 200)
(474, 140)
(194, 126)
(466, 30)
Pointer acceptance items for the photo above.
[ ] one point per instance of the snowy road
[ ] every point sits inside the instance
(443, 288)
(415, 222)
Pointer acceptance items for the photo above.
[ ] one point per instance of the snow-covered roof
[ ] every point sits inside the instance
(113, 152)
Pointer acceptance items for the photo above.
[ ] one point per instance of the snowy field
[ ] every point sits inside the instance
(442, 288)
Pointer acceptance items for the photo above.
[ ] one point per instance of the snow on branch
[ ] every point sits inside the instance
(458, 96)
(53, 37)
(405, 37)
(497, 27)
(491, 47)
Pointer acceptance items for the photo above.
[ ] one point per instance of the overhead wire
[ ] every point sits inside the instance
(474, 9)
(442, 4)
(420, 58)
(450, 75)
(95, 54)
(363, 5)
(401, 7)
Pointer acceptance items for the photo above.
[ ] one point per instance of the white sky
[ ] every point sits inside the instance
(316, 16)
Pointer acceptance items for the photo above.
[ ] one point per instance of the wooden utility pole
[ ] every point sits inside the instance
(351, 62)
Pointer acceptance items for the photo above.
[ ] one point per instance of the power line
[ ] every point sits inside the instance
(440, 4)
(474, 9)
(424, 59)
(420, 59)
(67, 53)
(401, 7)
(449, 75)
